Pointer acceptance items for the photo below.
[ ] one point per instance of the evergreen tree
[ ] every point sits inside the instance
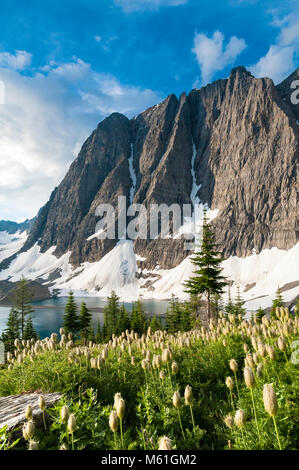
(70, 320)
(277, 302)
(99, 333)
(22, 299)
(12, 330)
(85, 322)
(29, 331)
(155, 324)
(207, 278)
(186, 318)
(111, 314)
(138, 318)
(259, 314)
(172, 316)
(239, 301)
(123, 322)
(229, 308)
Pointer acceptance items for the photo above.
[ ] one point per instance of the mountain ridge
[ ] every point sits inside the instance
(235, 142)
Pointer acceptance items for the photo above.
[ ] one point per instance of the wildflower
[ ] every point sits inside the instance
(33, 445)
(270, 400)
(117, 397)
(249, 377)
(233, 365)
(240, 418)
(64, 414)
(120, 408)
(176, 399)
(28, 412)
(281, 343)
(174, 368)
(113, 423)
(165, 443)
(188, 395)
(229, 421)
(72, 424)
(28, 430)
(229, 383)
(41, 402)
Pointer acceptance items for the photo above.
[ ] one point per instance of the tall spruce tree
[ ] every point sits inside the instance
(111, 314)
(239, 302)
(277, 302)
(11, 331)
(207, 278)
(70, 320)
(85, 322)
(29, 331)
(138, 318)
(22, 298)
(123, 322)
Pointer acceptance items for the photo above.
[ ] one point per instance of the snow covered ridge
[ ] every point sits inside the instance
(11, 243)
(258, 275)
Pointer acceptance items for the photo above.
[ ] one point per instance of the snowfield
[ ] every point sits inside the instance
(257, 275)
(11, 244)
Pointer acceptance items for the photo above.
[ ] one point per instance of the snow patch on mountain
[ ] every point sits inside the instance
(11, 243)
(258, 275)
(36, 265)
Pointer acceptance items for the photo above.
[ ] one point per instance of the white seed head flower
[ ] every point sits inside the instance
(117, 397)
(229, 383)
(270, 400)
(41, 402)
(240, 418)
(28, 430)
(165, 443)
(282, 344)
(233, 365)
(28, 412)
(33, 445)
(174, 368)
(176, 399)
(120, 408)
(229, 421)
(64, 414)
(72, 424)
(249, 377)
(113, 422)
(188, 395)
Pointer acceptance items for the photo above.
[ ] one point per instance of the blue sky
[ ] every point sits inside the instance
(65, 65)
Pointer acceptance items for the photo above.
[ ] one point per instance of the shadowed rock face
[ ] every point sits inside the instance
(246, 137)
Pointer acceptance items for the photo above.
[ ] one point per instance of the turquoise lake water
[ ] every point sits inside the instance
(48, 314)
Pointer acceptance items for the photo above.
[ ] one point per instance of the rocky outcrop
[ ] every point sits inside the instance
(246, 138)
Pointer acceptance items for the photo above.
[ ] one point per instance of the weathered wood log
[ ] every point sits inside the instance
(12, 408)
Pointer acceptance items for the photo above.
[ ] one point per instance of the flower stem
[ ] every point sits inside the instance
(191, 411)
(255, 416)
(179, 415)
(276, 430)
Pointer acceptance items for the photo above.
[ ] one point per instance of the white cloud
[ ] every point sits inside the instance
(280, 59)
(276, 64)
(44, 122)
(139, 5)
(18, 61)
(212, 55)
(98, 38)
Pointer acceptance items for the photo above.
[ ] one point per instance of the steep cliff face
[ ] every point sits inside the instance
(232, 144)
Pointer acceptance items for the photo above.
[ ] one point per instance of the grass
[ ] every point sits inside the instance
(89, 378)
